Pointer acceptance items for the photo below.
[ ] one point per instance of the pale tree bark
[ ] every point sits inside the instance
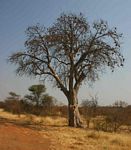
(74, 118)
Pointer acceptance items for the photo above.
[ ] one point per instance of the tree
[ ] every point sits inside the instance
(13, 96)
(89, 106)
(39, 100)
(120, 103)
(93, 102)
(69, 52)
(47, 103)
(13, 103)
(36, 95)
(47, 100)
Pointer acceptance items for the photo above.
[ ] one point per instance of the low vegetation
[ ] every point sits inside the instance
(105, 127)
(62, 137)
(113, 118)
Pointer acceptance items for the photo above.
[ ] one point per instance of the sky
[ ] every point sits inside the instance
(17, 15)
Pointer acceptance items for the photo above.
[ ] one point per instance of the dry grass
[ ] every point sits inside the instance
(32, 119)
(80, 139)
(67, 138)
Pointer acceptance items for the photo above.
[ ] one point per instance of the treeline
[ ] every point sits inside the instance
(107, 118)
(38, 102)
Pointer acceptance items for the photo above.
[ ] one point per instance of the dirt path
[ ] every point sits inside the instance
(13, 137)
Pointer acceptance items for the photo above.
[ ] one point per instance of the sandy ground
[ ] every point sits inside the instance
(17, 137)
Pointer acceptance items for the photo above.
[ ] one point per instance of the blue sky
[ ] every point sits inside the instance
(17, 15)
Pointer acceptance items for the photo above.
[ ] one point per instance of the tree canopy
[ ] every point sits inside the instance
(36, 94)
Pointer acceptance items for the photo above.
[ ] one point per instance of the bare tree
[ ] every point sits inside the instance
(69, 52)
(89, 108)
(120, 103)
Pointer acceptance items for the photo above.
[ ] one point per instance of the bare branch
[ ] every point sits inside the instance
(70, 51)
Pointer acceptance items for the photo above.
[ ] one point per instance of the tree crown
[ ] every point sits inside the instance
(70, 51)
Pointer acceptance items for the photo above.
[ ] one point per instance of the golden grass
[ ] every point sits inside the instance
(80, 139)
(8, 115)
(67, 138)
(29, 118)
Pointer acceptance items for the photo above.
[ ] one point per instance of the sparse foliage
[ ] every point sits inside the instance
(120, 103)
(68, 53)
(89, 107)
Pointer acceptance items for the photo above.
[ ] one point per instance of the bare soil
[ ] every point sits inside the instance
(16, 137)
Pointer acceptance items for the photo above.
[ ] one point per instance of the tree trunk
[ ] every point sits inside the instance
(74, 116)
(73, 112)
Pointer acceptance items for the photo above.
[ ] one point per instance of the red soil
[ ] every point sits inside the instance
(14, 137)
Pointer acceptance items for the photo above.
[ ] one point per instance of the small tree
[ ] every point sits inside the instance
(120, 103)
(37, 92)
(41, 102)
(47, 103)
(89, 106)
(68, 53)
(13, 103)
(13, 96)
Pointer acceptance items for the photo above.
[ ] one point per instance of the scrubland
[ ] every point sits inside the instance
(31, 132)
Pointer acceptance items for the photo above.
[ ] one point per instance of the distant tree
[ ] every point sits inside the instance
(89, 106)
(13, 96)
(93, 102)
(13, 103)
(47, 100)
(40, 99)
(120, 103)
(36, 94)
(47, 103)
(69, 53)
